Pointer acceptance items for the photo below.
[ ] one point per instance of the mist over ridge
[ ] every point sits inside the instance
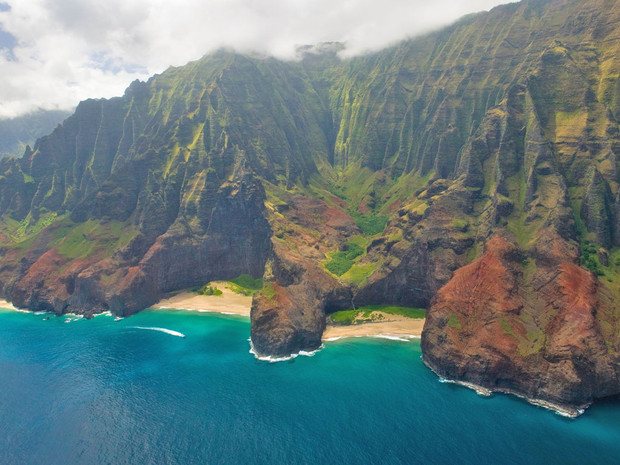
(54, 54)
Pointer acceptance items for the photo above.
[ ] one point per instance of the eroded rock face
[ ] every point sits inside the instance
(290, 315)
(236, 241)
(288, 320)
(536, 326)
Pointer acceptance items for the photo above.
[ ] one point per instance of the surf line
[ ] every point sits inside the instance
(274, 359)
(161, 330)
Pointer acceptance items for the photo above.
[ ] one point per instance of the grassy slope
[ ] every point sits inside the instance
(367, 313)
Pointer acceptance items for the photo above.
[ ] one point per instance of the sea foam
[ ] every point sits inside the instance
(21, 310)
(273, 359)
(161, 330)
(394, 337)
(108, 313)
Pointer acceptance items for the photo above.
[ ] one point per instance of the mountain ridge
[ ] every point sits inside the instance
(409, 176)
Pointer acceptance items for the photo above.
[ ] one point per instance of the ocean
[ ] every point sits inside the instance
(134, 391)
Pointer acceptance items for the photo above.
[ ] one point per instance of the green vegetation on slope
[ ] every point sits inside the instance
(82, 240)
(248, 282)
(373, 313)
(28, 227)
(269, 291)
(371, 225)
(208, 289)
(343, 260)
(407, 312)
(245, 285)
(454, 322)
(589, 258)
(344, 317)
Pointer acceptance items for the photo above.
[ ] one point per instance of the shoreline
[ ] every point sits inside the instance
(228, 303)
(395, 327)
(9, 306)
(565, 411)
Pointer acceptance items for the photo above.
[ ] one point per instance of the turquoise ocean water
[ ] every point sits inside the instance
(111, 392)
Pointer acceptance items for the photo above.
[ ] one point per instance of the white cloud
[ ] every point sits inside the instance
(69, 50)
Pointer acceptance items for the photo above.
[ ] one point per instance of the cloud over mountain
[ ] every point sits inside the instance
(54, 53)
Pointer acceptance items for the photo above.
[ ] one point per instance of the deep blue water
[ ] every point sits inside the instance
(99, 391)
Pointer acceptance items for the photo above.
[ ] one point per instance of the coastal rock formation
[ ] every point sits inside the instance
(474, 169)
(539, 326)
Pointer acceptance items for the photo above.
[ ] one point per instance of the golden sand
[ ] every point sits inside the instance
(228, 302)
(390, 325)
(7, 305)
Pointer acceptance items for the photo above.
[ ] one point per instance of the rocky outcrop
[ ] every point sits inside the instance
(286, 320)
(535, 325)
(288, 315)
(235, 241)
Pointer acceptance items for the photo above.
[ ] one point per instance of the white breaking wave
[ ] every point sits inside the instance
(161, 330)
(305, 353)
(272, 359)
(400, 337)
(393, 337)
(108, 313)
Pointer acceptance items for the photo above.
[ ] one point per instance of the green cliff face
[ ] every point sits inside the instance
(376, 180)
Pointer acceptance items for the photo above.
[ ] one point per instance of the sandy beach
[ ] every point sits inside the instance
(228, 302)
(7, 305)
(393, 325)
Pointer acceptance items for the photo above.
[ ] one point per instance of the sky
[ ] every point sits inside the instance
(54, 53)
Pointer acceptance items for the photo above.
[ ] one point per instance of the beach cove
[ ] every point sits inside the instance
(233, 303)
